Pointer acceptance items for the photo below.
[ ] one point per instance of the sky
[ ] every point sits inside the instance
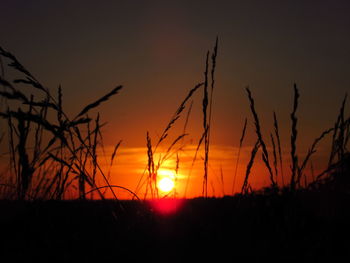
(157, 49)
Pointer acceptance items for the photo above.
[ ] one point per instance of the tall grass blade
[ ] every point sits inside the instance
(238, 154)
(152, 176)
(250, 165)
(274, 157)
(260, 138)
(99, 101)
(338, 135)
(310, 152)
(115, 151)
(275, 124)
(177, 114)
(293, 139)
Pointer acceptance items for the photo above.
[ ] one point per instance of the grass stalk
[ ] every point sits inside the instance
(294, 134)
(274, 157)
(260, 138)
(238, 155)
(275, 124)
(249, 166)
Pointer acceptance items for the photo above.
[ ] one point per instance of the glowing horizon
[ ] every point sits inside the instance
(157, 51)
(130, 170)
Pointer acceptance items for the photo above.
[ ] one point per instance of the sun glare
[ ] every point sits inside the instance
(166, 184)
(166, 180)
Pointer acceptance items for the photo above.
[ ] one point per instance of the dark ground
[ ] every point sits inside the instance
(303, 227)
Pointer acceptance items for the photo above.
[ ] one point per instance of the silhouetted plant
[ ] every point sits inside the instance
(265, 155)
(58, 146)
(238, 154)
(275, 124)
(249, 167)
(294, 157)
(208, 101)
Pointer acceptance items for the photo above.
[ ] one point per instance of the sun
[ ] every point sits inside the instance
(166, 184)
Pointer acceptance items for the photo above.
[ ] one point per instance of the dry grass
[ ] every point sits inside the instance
(152, 168)
(275, 124)
(63, 155)
(293, 139)
(249, 166)
(238, 154)
(50, 154)
(265, 155)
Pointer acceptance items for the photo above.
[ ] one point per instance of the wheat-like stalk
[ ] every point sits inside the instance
(260, 137)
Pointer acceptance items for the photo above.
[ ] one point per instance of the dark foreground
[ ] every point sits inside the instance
(304, 227)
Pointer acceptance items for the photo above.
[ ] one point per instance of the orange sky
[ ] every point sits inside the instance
(156, 50)
(130, 166)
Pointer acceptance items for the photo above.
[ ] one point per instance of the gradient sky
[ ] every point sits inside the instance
(156, 49)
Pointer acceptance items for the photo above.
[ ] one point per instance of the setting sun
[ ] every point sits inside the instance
(166, 184)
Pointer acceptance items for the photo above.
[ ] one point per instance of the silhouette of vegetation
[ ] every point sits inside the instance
(238, 155)
(55, 157)
(48, 151)
(50, 154)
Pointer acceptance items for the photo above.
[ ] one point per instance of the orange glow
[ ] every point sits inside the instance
(130, 171)
(166, 206)
(166, 184)
(166, 180)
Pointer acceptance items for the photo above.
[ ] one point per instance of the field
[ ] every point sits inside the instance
(304, 227)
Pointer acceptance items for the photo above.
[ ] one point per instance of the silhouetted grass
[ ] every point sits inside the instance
(265, 155)
(238, 154)
(208, 101)
(151, 179)
(66, 155)
(274, 157)
(294, 166)
(249, 166)
(50, 156)
(275, 124)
